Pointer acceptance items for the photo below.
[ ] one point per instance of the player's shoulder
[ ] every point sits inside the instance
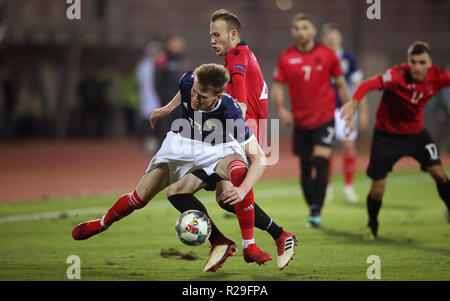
(229, 105)
(187, 80)
(438, 73)
(240, 50)
(349, 56)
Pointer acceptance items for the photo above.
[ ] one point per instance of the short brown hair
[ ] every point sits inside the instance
(330, 27)
(300, 17)
(419, 47)
(230, 18)
(212, 77)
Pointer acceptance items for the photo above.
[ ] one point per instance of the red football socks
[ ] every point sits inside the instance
(124, 206)
(349, 166)
(245, 212)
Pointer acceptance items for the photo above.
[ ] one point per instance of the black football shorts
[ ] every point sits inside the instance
(387, 149)
(303, 141)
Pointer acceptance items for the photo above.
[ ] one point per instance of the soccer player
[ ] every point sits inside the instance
(203, 139)
(307, 67)
(332, 37)
(247, 86)
(399, 128)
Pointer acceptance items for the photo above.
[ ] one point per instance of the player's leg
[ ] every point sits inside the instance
(427, 154)
(385, 151)
(348, 154)
(349, 167)
(262, 220)
(181, 195)
(303, 148)
(321, 154)
(234, 168)
(329, 193)
(149, 185)
(373, 204)
(443, 186)
(284, 240)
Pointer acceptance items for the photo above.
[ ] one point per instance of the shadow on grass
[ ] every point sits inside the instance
(358, 238)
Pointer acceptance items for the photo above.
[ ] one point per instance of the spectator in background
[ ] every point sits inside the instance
(129, 98)
(8, 98)
(90, 93)
(148, 97)
(170, 66)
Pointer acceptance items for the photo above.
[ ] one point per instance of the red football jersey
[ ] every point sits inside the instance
(401, 108)
(241, 63)
(308, 77)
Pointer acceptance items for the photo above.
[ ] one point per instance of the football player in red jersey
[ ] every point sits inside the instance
(307, 69)
(399, 128)
(248, 87)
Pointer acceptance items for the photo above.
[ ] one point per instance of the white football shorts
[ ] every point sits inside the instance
(341, 129)
(184, 155)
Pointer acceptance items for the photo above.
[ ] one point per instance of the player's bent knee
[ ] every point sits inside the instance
(438, 174)
(377, 189)
(222, 166)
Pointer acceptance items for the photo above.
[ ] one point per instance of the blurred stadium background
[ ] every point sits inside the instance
(45, 56)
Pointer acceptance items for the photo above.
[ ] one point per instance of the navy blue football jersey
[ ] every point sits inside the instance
(224, 123)
(352, 72)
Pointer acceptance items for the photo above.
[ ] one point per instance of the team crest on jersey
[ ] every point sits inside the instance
(210, 125)
(236, 51)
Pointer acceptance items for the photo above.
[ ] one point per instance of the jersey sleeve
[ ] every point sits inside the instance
(185, 85)
(238, 64)
(388, 80)
(370, 84)
(278, 72)
(238, 70)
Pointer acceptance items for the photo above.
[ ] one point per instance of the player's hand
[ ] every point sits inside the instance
(286, 117)
(347, 113)
(158, 113)
(233, 195)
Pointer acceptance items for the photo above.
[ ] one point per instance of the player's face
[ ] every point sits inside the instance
(221, 38)
(303, 31)
(202, 99)
(418, 66)
(332, 38)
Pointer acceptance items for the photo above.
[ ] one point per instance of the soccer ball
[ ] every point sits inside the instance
(193, 227)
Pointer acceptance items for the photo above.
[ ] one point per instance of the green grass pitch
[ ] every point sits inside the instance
(414, 243)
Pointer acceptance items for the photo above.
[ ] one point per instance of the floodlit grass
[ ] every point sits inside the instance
(414, 241)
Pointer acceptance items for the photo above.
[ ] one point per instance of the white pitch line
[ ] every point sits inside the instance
(163, 203)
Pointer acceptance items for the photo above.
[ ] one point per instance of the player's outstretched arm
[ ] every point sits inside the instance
(348, 110)
(164, 111)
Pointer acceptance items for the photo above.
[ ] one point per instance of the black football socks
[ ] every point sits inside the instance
(319, 185)
(444, 192)
(373, 208)
(262, 220)
(306, 180)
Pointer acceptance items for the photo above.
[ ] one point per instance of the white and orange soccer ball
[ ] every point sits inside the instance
(193, 227)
